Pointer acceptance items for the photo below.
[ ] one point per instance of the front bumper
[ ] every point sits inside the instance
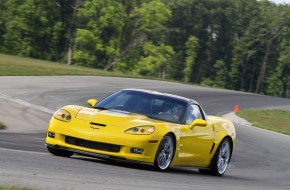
(91, 143)
(85, 153)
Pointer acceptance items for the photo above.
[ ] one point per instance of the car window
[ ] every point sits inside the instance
(118, 101)
(193, 112)
(154, 106)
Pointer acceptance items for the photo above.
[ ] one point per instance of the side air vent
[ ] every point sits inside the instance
(98, 124)
(212, 148)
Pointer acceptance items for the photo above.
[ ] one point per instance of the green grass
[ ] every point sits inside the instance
(15, 188)
(274, 120)
(20, 66)
(2, 126)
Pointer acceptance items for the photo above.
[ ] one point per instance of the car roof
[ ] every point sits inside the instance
(187, 100)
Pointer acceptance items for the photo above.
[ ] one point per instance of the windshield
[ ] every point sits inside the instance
(151, 105)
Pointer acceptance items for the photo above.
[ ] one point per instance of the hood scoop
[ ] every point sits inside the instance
(98, 124)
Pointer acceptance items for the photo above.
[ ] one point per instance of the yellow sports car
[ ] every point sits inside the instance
(146, 126)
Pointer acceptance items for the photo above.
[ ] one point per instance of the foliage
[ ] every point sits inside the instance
(30, 29)
(156, 59)
(221, 74)
(236, 44)
(2, 126)
(191, 47)
(279, 81)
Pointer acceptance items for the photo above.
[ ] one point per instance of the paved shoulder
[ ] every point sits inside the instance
(236, 119)
(21, 118)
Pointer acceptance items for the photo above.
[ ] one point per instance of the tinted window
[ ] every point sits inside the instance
(193, 112)
(151, 105)
(118, 101)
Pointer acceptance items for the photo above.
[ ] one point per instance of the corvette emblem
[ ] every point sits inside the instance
(94, 127)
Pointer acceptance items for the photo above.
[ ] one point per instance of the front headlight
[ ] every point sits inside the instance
(62, 115)
(140, 130)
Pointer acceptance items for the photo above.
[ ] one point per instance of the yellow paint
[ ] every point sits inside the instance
(193, 146)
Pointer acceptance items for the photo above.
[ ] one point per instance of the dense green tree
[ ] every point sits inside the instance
(219, 77)
(279, 81)
(221, 74)
(98, 32)
(191, 47)
(156, 60)
(2, 24)
(115, 29)
(144, 22)
(273, 22)
(255, 49)
(68, 14)
(236, 44)
(246, 49)
(32, 28)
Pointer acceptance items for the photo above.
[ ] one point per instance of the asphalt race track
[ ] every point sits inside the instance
(261, 159)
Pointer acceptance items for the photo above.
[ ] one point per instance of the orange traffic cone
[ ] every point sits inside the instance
(236, 109)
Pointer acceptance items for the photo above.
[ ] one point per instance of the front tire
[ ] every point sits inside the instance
(165, 153)
(59, 152)
(221, 159)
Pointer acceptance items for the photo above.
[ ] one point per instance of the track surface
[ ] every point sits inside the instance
(261, 159)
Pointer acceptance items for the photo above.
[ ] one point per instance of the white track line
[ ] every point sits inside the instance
(27, 104)
(24, 103)
(23, 151)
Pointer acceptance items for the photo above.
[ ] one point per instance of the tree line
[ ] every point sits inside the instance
(234, 44)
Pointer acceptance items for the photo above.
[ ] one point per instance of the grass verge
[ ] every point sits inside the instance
(21, 66)
(15, 188)
(2, 126)
(11, 65)
(274, 120)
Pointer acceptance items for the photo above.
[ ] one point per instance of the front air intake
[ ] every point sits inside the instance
(92, 144)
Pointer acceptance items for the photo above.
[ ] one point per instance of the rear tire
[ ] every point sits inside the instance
(221, 159)
(59, 152)
(165, 153)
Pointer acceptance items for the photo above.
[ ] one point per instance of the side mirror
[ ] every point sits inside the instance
(92, 102)
(198, 122)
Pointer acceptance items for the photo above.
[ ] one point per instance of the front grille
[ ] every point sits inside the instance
(92, 144)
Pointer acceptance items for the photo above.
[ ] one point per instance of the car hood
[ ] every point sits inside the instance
(113, 117)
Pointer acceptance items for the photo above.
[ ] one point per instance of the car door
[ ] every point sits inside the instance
(197, 143)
